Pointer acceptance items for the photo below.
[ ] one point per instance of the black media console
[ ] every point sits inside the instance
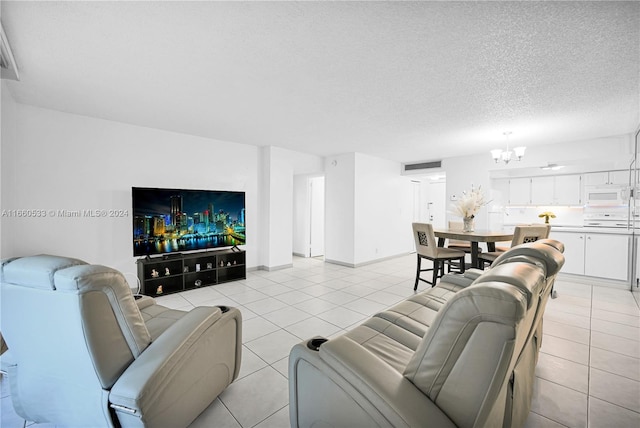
(178, 272)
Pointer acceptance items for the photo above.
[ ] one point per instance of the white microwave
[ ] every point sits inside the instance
(606, 195)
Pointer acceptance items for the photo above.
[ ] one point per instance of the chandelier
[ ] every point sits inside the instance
(505, 155)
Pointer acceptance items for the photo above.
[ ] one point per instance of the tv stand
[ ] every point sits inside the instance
(173, 273)
(170, 256)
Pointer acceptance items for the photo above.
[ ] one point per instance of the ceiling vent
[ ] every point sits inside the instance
(7, 63)
(420, 167)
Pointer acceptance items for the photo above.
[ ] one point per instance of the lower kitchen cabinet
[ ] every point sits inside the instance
(595, 254)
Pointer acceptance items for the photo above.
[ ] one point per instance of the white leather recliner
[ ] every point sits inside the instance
(460, 354)
(82, 352)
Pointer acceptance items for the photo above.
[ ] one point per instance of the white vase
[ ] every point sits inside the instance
(468, 224)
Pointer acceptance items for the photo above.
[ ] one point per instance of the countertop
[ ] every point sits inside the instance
(582, 229)
(605, 230)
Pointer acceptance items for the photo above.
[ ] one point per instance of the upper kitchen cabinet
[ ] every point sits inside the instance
(546, 190)
(606, 177)
(568, 190)
(520, 191)
(542, 190)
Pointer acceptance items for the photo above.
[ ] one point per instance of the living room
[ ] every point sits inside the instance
(90, 118)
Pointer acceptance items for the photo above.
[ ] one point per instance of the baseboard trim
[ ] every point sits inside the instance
(273, 268)
(369, 262)
(337, 262)
(592, 280)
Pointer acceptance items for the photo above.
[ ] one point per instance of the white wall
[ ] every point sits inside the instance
(462, 173)
(383, 210)
(279, 214)
(339, 209)
(7, 142)
(68, 162)
(368, 208)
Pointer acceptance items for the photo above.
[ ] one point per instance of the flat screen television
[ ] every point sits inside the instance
(174, 220)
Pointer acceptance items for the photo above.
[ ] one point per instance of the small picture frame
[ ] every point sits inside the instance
(197, 267)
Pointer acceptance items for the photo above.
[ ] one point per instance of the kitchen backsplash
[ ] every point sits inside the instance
(500, 216)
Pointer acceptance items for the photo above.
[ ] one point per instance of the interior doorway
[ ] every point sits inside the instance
(431, 200)
(316, 220)
(308, 215)
(436, 203)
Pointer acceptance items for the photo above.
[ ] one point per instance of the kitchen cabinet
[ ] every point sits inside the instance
(568, 190)
(546, 190)
(620, 177)
(542, 190)
(520, 191)
(595, 254)
(573, 251)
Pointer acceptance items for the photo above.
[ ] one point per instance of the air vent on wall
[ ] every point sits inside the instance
(8, 64)
(421, 166)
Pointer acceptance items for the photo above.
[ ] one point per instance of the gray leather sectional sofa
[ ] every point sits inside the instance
(461, 354)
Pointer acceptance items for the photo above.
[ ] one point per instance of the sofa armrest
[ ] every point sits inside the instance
(186, 367)
(458, 279)
(473, 273)
(144, 301)
(346, 385)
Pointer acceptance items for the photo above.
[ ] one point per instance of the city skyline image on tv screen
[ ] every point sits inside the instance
(171, 220)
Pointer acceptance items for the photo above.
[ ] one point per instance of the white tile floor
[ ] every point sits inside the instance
(588, 374)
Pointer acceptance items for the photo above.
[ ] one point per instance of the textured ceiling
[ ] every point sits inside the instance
(405, 81)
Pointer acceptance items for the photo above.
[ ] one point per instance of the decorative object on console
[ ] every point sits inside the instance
(505, 155)
(167, 272)
(468, 206)
(546, 215)
(154, 274)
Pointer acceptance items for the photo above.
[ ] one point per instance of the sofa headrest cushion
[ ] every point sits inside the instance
(98, 286)
(36, 271)
(547, 254)
(527, 277)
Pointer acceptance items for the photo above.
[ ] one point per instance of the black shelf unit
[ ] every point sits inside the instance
(178, 272)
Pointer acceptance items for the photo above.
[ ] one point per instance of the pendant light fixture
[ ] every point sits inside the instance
(505, 155)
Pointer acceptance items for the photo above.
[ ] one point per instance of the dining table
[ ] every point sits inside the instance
(474, 237)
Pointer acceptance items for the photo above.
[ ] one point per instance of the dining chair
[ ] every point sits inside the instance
(521, 235)
(427, 248)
